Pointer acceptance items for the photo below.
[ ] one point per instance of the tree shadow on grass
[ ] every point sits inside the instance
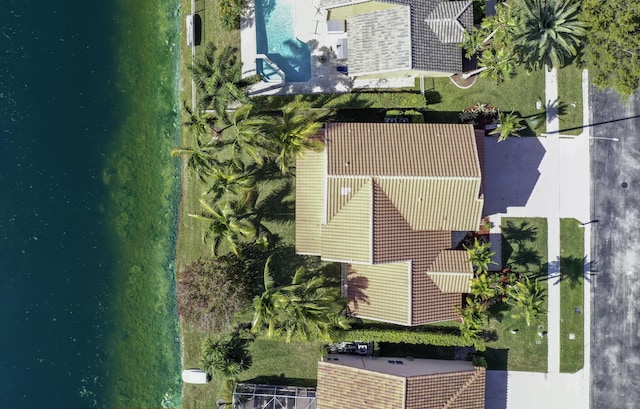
(497, 359)
(281, 380)
(572, 270)
(523, 232)
(284, 262)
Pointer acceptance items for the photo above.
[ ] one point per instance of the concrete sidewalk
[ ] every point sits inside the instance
(542, 177)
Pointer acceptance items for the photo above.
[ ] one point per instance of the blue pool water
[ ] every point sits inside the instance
(275, 37)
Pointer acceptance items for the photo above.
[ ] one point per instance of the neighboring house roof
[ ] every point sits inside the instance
(347, 381)
(384, 198)
(421, 35)
(380, 41)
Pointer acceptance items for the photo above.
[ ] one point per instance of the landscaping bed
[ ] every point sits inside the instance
(518, 94)
(511, 344)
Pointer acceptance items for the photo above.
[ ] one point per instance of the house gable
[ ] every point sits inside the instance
(347, 381)
(347, 236)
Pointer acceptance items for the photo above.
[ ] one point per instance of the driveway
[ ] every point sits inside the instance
(615, 174)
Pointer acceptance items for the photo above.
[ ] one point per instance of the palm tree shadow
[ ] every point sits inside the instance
(572, 270)
(356, 286)
(555, 109)
(521, 233)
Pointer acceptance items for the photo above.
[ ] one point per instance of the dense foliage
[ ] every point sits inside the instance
(612, 54)
(409, 337)
(307, 309)
(211, 292)
(533, 33)
(226, 356)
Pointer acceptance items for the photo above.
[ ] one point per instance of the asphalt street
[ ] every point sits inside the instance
(615, 187)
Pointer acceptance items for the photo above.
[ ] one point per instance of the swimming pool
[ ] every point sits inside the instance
(275, 38)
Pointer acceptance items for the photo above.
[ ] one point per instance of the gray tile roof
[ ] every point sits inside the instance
(436, 29)
(378, 41)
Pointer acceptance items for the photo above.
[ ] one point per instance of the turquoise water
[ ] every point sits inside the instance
(88, 113)
(275, 37)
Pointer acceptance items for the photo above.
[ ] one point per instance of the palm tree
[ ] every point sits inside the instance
(225, 357)
(218, 76)
(228, 180)
(495, 31)
(201, 158)
(198, 121)
(312, 308)
(526, 299)
(268, 305)
(483, 288)
(474, 318)
(225, 225)
(250, 136)
(551, 32)
(304, 310)
(290, 135)
(509, 125)
(480, 255)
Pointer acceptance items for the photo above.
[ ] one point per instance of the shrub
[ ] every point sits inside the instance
(211, 292)
(409, 337)
(226, 357)
(230, 12)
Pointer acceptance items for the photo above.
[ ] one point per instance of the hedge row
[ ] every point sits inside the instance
(352, 100)
(409, 337)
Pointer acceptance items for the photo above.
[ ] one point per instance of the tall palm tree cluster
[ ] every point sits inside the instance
(244, 161)
(306, 309)
(524, 296)
(236, 155)
(533, 33)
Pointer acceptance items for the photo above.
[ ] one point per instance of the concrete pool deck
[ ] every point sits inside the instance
(310, 28)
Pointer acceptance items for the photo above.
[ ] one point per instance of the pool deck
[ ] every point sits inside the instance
(311, 27)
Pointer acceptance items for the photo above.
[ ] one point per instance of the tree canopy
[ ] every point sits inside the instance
(612, 54)
(211, 292)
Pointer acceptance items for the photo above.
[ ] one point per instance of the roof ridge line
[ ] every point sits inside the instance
(409, 177)
(464, 387)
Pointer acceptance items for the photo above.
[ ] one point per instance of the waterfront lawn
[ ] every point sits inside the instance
(279, 363)
(524, 249)
(518, 94)
(571, 295)
(570, 100)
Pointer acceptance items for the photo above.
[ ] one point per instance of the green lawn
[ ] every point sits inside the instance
(570, 100)
(518, 94)
(524, 249)
(571, 295)
(276, 362)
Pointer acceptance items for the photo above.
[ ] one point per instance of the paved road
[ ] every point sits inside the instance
(615, 178)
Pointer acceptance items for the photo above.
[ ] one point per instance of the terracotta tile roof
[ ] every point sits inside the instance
(364, 383)
(347, 236)
(310, 173)
(369, 217)
(454, 390)
(343, 387)
(380, 291)
(411, 150)
(451, 271)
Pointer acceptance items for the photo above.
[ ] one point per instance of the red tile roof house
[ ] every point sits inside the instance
(356, 382)
(383, 200)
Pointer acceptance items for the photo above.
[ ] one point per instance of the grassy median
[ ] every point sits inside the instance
(571, 295)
